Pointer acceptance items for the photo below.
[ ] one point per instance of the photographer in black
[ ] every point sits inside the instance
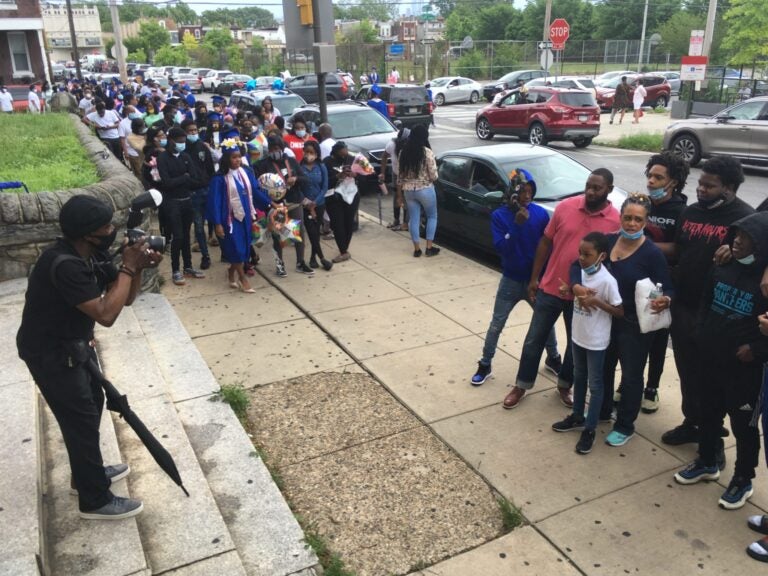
(72, 286)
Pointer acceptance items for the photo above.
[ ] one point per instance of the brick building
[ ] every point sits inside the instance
(22, 47)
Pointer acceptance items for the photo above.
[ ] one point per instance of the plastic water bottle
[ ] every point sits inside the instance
(657, 292)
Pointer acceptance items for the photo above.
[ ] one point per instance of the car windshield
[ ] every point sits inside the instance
(611, 82)
(507, 77)
(408, 96)
(437, 82)
(556, 175)
(577, 99)
(287, 104)
(354, 123)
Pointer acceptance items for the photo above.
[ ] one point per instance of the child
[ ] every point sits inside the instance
(732, 353)
(597, 299)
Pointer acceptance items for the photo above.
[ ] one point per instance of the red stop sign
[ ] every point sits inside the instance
(559, 31)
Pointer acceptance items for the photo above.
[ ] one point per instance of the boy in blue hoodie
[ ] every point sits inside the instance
(517, 227)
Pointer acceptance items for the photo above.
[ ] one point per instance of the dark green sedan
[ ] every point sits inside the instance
(471, 182)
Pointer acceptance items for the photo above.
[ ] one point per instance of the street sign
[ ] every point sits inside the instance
(397, 49)
(696, 45)
(546, 59)
(558, 33)
(693, 68)
(426, 41)
(546, 44)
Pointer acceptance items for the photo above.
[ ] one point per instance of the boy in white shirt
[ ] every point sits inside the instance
(33, 100)
(596, 301)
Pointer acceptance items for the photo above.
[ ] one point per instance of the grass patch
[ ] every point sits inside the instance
(511, 517)
(43, 151)
(236, 396)
(642, 141)
(332, 564)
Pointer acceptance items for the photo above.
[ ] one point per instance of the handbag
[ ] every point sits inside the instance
(649, 320)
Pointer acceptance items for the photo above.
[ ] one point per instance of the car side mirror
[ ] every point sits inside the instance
(724, 119)
(496, 196)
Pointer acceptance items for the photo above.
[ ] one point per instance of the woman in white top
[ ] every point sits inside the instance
(33, 100)
(6, 100)
(637, 101)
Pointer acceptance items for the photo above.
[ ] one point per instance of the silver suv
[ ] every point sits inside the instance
(740, 131)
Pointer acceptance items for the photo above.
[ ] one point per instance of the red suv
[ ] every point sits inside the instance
(543, 115)
(657, 86)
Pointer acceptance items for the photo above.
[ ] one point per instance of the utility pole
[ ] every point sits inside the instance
(642, 38)
(709, 30)
(545, 36)
(118, 40)
(318, 32)
(73, 40)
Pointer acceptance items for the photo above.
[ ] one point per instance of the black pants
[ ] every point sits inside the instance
(688, 360)
(114, 146)
(77, 402)
(656, 356)
(296, 213)
(179, 216)
(729, 387)
(314, 226)
(342, 219)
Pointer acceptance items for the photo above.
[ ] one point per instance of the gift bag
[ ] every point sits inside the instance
(649, 320)
(290, 232)
(259, 228)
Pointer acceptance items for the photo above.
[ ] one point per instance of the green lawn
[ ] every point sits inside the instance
(43, 151)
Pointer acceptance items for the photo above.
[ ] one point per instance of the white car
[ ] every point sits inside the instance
(576, 83)
(455, 89)
(212, 80)
(673, 77)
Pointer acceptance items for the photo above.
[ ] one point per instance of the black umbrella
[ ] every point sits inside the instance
(117, 402)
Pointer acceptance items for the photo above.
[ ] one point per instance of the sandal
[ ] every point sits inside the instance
(758, 524)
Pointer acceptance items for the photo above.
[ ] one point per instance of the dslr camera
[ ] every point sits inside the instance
(156, 243)
(150, 199)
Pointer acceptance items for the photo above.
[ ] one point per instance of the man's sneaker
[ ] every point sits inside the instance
(514, 397)
(326, 264)
(759, 550)
(304, 269)
(758, 523)
(205, 263)
(114, 474)
(566, 396)
(117, 509)
(696, 471)
(683, 434)
(178, 279)
(650, 403)
(482, 374)
(586, 440)
(737, 494)
(616, 438)
(193, 273)
(554, 365)
(280, 268)
(569, 423)
(313, 263)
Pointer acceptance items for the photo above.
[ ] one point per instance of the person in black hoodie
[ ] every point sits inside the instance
(701, 229)
(178, 179)
(732, 353)
(200, 154)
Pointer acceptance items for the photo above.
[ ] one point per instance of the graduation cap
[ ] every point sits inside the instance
(219, 100)
(215, 117)
(185, 87)
(231, 145)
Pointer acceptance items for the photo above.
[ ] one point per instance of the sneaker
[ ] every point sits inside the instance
(205, 263)
(586, 440)
(326, 264)
(683, 434)
(313, 263)
(569, 423)
(117, 509)
(616, 438)
(193, 273)
(341, 258)
(554, 365)
(178, 279)
(650, 403)
(696, 471)
(304, 269)
(737, 494)
(514, 397)
(114, 474)
(280, 268)
(759, 550)
(433, 251)
(482, 374)
(758, 523)
(566, 396)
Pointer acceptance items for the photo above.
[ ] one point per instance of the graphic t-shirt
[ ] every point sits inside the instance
(591, 329)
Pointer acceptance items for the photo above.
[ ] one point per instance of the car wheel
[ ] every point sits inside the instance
(483, 129)
(474, 97)
(582, 142)
(661, 102)
(536, 134)
(330, 97)
(687, 147)
(439, 100)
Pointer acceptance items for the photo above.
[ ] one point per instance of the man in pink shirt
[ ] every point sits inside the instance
(573, 219)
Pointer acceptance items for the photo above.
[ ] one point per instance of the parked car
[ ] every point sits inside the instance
(200, 73)
(265, 82)
(349, 79)
(510, 81)
(214, 78)
(176, 70)
(740, 131)
(361, 128)
(408, 103)
(59, 72)
(247, 100)
(190, 79)
(450, 89)
(673, 77)
(658, 90)
(232, 82)
(547, 114)
(575, 82)
(471, 182)
(606, 76)
(305, 85)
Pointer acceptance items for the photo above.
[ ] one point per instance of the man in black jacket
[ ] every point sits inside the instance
(178, 179)
(200, 153)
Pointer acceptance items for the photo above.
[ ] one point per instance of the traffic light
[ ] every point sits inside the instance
(305, 12)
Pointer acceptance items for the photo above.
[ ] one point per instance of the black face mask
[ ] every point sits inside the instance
(105, 242)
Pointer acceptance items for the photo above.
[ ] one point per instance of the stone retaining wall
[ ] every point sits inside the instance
(30, 222)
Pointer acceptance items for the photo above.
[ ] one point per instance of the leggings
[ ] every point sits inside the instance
(314, 226)
(296, 213)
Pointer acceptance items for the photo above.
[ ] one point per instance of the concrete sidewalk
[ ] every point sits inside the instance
(417, 326)
(650, 123)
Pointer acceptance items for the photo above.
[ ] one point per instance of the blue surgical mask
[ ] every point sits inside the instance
(657, 193)
(164, 142)
(747, 260)
(301, 133)
(180, 147)
(193, 138)
(636, 236)
(589, 270)
(179, 117)
(134, 115)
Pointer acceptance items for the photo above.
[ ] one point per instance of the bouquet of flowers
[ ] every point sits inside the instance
(361, 166)
(287, 229)
(259, 228)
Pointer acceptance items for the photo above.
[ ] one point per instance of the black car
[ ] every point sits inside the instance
(231, 83)
(510, 81)
(282, 100)
(408, 103)
(336, 87)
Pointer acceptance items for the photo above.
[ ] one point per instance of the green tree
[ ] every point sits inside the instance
(235, 58)
(362, 33)
(138, 56)
(154, 37)
(747, 24)
(492, 22)
(189, 41)
(246, 17)
(578, 13)
(218, 39)
(171, 56)
(375, 10)
(676, 32)
(460, 24)
(134, 44)
(623, 19)
(183, 14)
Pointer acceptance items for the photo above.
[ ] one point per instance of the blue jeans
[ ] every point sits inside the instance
(510, 292)
(416, 199)
(199, 199)
(546, 311)
(588, 369)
